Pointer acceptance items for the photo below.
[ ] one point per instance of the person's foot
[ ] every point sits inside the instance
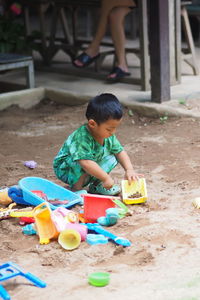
(117, 73)
(85, 59)
(99, 189)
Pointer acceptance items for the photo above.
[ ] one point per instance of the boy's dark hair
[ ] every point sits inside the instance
(104, 107)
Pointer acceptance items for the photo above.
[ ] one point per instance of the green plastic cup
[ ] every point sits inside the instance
(99, 278)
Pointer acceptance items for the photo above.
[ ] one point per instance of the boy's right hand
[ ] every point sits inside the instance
(108, 183)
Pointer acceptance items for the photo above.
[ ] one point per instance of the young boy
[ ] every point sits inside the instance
(90, 153)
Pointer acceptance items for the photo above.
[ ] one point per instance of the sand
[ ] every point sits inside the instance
(163, 260)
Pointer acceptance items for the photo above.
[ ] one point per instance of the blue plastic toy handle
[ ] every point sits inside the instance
(105, 232)
(99, 229)
(16, 194)
(118, 240)
(38, 282)
(4, 294)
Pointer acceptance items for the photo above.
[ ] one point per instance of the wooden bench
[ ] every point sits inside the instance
(194, 10)
(71, 43)
(10, 61)
(189, 55)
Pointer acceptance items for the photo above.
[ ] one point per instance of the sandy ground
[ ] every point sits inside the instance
(163, 261)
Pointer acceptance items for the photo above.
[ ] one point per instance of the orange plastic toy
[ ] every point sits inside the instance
(44, 224)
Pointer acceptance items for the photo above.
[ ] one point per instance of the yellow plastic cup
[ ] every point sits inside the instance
(69, 239)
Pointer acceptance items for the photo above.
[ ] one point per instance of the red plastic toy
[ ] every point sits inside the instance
(26, 220)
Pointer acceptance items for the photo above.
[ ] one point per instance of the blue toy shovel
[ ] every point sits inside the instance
(99, 229)
(9, 270)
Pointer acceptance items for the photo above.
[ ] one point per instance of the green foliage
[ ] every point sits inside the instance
(182, 101)
(13, 38)
(163, 119)
(130, 113)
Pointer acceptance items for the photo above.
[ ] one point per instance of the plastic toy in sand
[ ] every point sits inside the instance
(16, 194)
(31, 164)
(40, 194)
(196, 202)
(44, 225)
(12, 212)
(122, 208)
(66, 219)
(69, 239)
(26, 220)
(99, 229)
(50, 189)
(99, 278)
(6, 212)
(81, 228)
(18, 213)
(134, 193)
(29, 229)
(95, 206)
(95, 239)
(61, 216)
(4, 197)
(111, 217)
(9, 270)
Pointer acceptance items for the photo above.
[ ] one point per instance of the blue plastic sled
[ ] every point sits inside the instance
(51, 189)
(10, 270)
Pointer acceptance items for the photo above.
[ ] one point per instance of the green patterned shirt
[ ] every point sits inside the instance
(81, 145)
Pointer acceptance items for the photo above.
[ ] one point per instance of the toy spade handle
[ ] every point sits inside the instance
(103, 231)
(4, 294)
(38, 282)
(120, 241)
(123, 209)
(18, 214)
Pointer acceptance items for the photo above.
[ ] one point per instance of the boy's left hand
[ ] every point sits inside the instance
(130, 175)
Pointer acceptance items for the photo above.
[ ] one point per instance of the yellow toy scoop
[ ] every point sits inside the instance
(44, 224)
(135, 192)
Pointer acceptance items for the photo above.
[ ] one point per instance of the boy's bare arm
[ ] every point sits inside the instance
(93, 169)
(125, 162)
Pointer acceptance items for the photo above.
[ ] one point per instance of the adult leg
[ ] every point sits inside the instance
(116, 18)
(106, 7)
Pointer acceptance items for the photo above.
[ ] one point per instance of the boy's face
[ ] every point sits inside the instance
(105, 129)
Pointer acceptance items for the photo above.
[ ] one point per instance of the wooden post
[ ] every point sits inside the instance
(144, 43)
(159, 50)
